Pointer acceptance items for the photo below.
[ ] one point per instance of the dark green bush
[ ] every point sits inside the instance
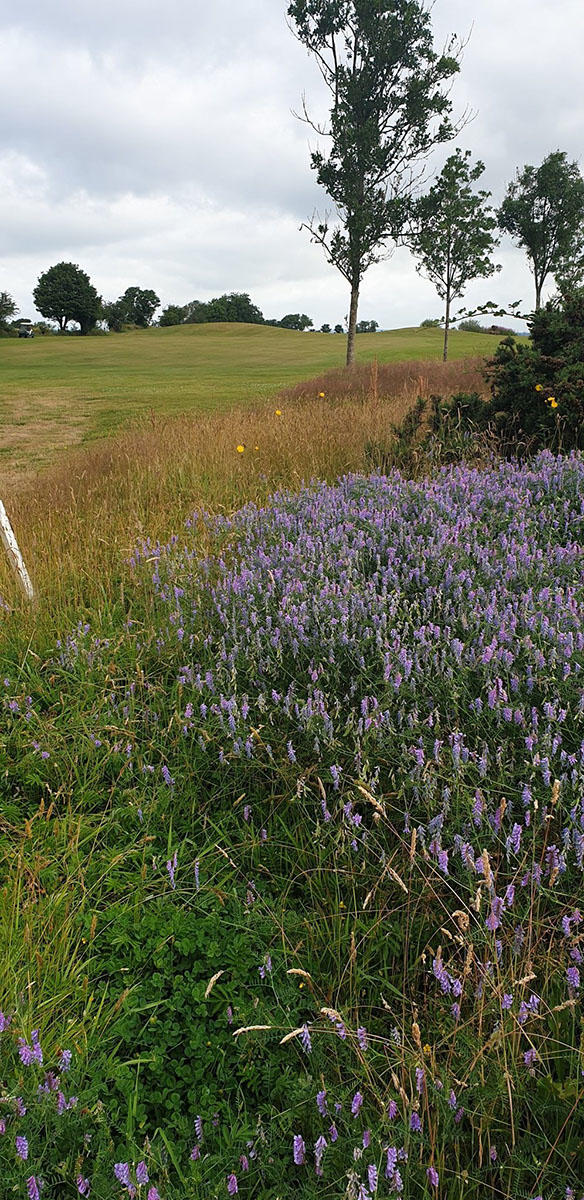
(538, 389)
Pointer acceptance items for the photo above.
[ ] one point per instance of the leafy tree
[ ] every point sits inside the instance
(65, 293)
(234, 306)
(389, 108)
(173, 314)
(197, 312)
(543, 211)
(367, 327)
(8, 309)
(114, 314)
(452, 232)
(470, 325)
(339, 329)
(140, 304)
(295, 321)
(325, 328)
(430, 323)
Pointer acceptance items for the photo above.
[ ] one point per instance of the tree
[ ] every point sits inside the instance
(389, 109)
(325, 328)
(8, 309)
(234, 306)
(543, 211)
(65, 293)
(197, 312)
(452, 232)
(367, 327)
(113, 312)
(139, 305)
(173, 314)
(339, 329)
(295, 321)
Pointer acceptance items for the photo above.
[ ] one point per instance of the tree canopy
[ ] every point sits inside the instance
(390, 106)
(65, 293)
(8, 309)
(543, 211)
(452, 232)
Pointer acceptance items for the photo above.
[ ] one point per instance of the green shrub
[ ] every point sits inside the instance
(471, 326)
(538, 389)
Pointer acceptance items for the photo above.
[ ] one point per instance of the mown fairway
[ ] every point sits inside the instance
(61, 392)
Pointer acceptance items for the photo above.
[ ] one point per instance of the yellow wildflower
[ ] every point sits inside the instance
(427, 1049)
(278, 412)
(539, 387)
(553, 402)
(256, 447)
(240, 449)
(321, 395)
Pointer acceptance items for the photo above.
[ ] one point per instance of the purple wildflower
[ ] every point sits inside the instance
(4, 1022)
(153, 1194)
(432, 1177)
(195, 1153)
(122, 1174)
(33, 1188)
(22, 1148)
(366, 1139)
(199, 1128)
(142, 1173)
(171, 868)
(391, 1164)
(530, 1057)
(319, 1148)
(321, 1103)
(372, 1177)
(420, 1078)
(299, 1149)
(392, 1110)
(493, 1154)
(305, 1039)
(452, 1099)
(415, 1123)
(244, 1162)
(232, 1187)
(197, 879)
(83, 1186)
(65, 1060)
(356, 1103)
(333, 1132)
(573, 977)
(362, 1037)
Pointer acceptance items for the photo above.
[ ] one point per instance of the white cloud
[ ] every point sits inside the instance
(157, 146)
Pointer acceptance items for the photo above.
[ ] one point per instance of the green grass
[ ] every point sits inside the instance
(61, 392)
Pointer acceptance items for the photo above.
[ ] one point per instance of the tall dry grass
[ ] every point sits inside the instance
(78, 521)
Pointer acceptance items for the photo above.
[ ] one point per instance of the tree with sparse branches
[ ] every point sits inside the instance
(543, 211)
(389, 109)
(452, 232)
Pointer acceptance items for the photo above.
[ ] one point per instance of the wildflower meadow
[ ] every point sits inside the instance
(293, 847)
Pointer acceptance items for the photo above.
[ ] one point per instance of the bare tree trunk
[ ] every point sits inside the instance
(538, 287)
(352, 324)
(446, 327)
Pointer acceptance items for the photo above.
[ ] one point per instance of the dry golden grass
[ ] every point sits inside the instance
(77, 522)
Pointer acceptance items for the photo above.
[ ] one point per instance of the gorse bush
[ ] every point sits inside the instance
(330, 759)
(538, 389)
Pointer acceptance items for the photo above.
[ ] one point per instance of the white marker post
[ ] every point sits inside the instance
(7, 536)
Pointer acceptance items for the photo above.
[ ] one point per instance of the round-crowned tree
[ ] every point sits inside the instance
(65, 293)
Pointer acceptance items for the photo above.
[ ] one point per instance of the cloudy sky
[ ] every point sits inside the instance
(156, 145)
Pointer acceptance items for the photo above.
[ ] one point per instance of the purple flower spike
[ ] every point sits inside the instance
(432, 1177)
(232, 1187)
(142, 1173)
(356, 1104)
(22, 1148)
(153, 1194)
(4, 1022)
(321, 1103)
(372, 1177)
(33, 1188)
(195, 1153)
(362, 1037)
(122, 1174)
(299, 1149)
(415, 1123)
(83, 1186)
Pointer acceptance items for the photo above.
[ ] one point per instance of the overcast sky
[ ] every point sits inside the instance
(155, 144)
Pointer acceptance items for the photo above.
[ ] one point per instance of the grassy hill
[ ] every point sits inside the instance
(61, 392)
